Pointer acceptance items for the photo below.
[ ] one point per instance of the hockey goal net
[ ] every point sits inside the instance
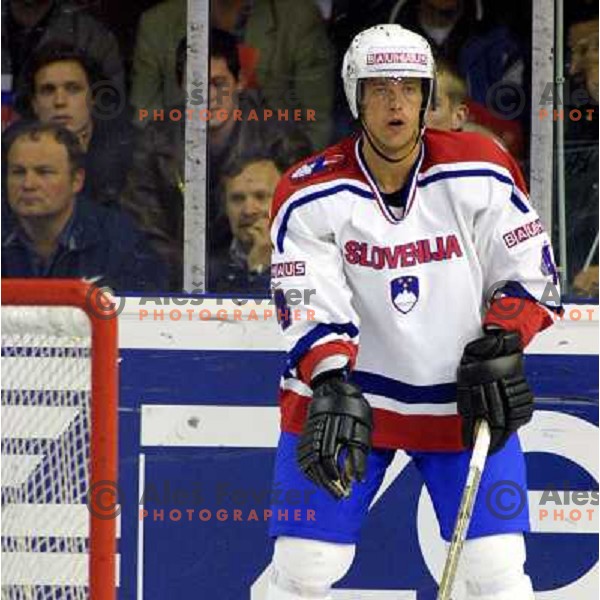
(59, 441)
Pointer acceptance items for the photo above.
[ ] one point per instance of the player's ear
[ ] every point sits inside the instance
(78, 180)
(460, 116)
(242, 81)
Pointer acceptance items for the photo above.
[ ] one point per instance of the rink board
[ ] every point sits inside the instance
(198, 429)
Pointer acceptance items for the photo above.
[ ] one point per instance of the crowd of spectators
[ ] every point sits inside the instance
(581, 153)
(113, 209)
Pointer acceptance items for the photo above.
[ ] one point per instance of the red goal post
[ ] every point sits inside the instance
(59, 365)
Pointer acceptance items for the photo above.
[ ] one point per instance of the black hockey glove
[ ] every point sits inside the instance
(336, 440)
(491, 385)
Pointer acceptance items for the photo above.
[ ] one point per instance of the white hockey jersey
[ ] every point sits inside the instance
(399, 298)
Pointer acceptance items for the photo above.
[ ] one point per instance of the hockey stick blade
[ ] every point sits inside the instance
(463, 519)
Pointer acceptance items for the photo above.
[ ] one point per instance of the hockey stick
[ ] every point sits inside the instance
(476, 465)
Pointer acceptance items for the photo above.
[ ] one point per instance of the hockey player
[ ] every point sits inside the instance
(403, 232)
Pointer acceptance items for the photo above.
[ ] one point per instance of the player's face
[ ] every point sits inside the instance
(446, 114)
(41, 182)
(391, 109)
(224, 90)
(62, 94)
(248, 199)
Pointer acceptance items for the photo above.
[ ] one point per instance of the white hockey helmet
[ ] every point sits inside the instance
(386, 51)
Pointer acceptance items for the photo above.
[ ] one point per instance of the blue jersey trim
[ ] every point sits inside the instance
(304, 344)
(345, 187)
(519, 203)
(371, 383)
(521, 206)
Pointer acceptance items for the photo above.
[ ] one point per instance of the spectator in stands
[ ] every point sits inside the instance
(29, 25)
(459, 31)
(249, 183)
(154, 193)
(51, 232)
(156, 183)
(450, 111)
(285, 48)
(154, 83)
(581, 151)
(586, 281)
(583, 48)
(63, 85)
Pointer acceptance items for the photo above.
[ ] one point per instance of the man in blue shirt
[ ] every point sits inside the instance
(50, 231)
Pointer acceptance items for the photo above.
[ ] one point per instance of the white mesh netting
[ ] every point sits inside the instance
(46, 384)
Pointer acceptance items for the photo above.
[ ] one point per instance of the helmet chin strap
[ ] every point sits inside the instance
(370, 139)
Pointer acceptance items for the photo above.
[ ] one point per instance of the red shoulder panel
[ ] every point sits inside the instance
(466, 146)
(335, 162)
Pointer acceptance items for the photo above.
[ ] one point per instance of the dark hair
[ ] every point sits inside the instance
(181, 60)
(224, 45)
(34, 131)
(51, 52)
(236, 163)
(285, 147)
(580, 11)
